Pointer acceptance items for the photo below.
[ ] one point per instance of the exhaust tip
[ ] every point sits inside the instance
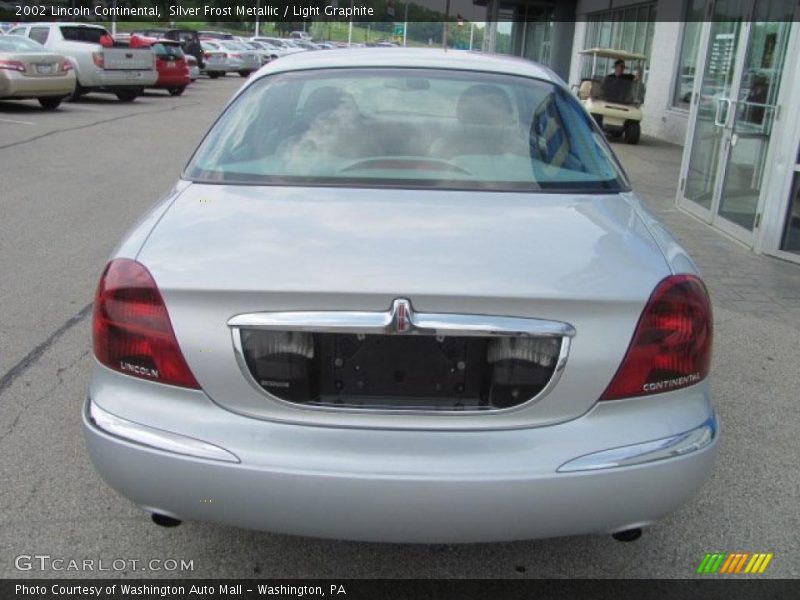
(627, 535)
(165, 521)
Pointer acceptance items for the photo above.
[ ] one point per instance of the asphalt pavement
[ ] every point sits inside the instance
(75, 180)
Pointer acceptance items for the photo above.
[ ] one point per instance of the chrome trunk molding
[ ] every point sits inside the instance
(401, 319)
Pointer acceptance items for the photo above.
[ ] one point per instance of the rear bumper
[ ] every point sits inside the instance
(110, 79)
(400, 486)
(219, 68)
(173, 80)
(17, 85)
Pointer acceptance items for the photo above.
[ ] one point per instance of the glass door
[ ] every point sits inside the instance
(753, 114)
(711, 106)
(733, 111)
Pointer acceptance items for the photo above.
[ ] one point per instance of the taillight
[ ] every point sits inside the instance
(98, 59)
(671, 347)
(131, 329)
(234, 55)
(66, 66)
(12, 65)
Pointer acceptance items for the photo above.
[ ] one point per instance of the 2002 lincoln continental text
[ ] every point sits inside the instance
(403, 295)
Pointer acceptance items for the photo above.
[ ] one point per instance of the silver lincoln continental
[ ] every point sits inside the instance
(408, 296)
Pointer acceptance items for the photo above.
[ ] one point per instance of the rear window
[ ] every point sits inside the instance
(233, 45)
(39, 34)
(167, 51)
(14, 43)
(407, 127)
(83, 34)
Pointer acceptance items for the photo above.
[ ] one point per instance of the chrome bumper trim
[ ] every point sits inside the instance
(155, 438)
(367, 322)
(646, 452)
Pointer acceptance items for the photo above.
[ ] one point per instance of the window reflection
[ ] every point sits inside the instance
(791, 232)
(693, 23)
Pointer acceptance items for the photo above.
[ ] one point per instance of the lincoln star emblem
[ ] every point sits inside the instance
(401, 315)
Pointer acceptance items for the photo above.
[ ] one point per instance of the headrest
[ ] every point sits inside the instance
(325, 99)
(485, 104)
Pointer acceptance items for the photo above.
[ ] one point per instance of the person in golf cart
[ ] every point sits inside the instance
(618, 86)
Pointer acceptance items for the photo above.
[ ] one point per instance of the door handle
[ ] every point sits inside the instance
(720, 102)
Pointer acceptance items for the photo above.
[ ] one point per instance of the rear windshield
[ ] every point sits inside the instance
(407, 127)
(167, 51)
(233, 45)
(83, 34)
(14, 43)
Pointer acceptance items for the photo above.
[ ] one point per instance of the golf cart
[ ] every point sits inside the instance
(613, 101)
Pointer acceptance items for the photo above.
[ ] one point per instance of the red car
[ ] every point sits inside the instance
(171, 63)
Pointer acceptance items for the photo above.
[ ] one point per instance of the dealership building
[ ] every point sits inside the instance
(722, 80)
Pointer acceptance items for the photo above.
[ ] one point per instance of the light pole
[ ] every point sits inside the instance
(350, 27)
(444, 28)
(405, 23)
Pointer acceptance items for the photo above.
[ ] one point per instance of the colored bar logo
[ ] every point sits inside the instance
(734, 563)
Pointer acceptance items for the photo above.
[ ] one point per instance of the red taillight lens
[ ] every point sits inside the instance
(234, 55)
(98, 59)
(131, 328)
(12, 65)
(66, 66)
(671, 347)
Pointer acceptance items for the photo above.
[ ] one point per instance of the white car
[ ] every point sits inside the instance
(226, 56)
(284, 46)
(118, 70)
(264, 52)
(403, 295)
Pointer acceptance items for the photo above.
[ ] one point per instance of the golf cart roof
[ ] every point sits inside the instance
(612, 53)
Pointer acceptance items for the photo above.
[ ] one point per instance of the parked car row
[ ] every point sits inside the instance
(94, 60)
(51, 62)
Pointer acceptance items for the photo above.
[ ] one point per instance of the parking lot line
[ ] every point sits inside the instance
(17, 122)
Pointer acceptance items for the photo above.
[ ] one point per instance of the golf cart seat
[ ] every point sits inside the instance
(585, 90)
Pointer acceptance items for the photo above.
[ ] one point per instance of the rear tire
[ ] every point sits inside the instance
(176, 91)
(214, 74)
(50, 103)
(77, 93)
(244, 73)
(632, 132)
(127, 95)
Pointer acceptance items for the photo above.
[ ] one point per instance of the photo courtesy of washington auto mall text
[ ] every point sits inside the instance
(200, 590)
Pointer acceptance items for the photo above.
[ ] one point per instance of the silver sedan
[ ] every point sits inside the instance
(403, 295)
(29, 70)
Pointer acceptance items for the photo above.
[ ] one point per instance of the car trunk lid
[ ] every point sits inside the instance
(586, 261)
(41, 64)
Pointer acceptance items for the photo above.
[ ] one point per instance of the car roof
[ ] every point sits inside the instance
(612, 53)
(461, 60)
(67, 24)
